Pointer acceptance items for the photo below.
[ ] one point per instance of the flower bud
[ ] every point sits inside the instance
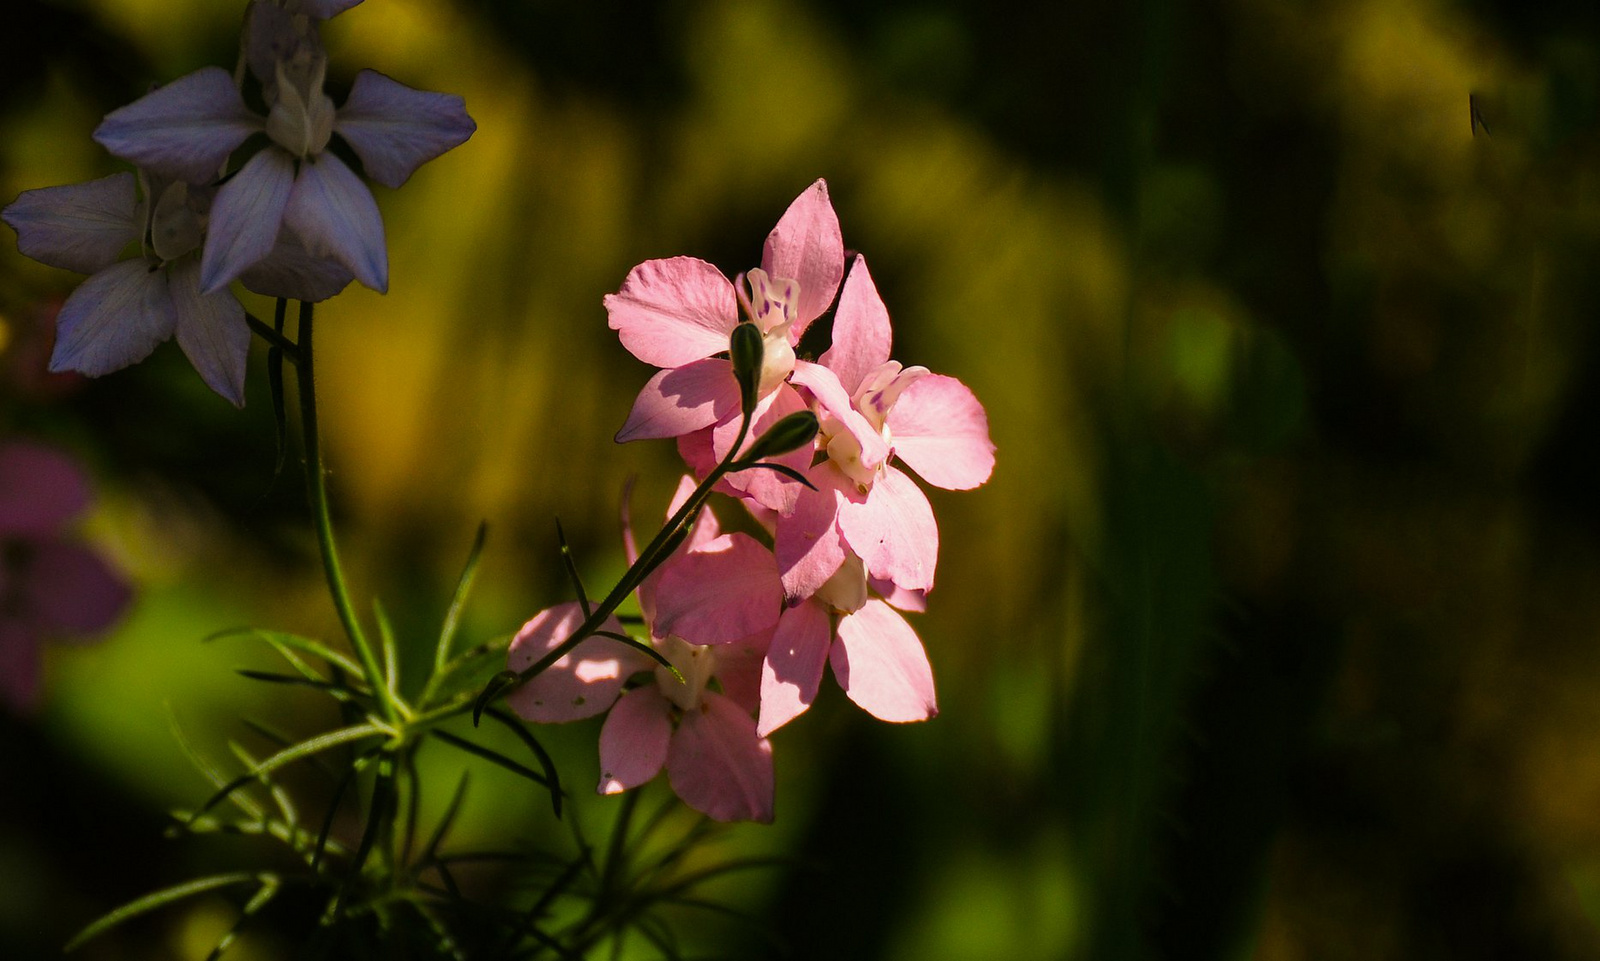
(786, 435)
(745, 348)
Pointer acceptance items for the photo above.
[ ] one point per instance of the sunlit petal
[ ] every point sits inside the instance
(881, 665)
(681, 400)
(634, 739)
(894, 531)
(792, 671)
(673, 312)
(862, 337)
(942, 433)
(725, 591)
(807, 246)
(583, 682)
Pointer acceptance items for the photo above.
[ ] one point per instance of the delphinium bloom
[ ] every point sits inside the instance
(50, 586)
(188, 129)
(127, 307)
(874, 412)
(678, 313)
(710, 610)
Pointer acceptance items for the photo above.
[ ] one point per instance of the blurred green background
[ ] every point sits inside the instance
(1276, 633)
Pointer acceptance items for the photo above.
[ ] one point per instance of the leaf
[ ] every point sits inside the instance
(431, 849)
(208, 770)
(305, 645)
(490, 755)
(262, 897)
(641, 646)
(545, 760)
(572, 572)
(289, 755)
(161, 898)
(458, 600)
(391, 651)
(496, 686)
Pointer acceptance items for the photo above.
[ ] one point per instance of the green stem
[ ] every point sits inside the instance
(317, 490)
(648, 560)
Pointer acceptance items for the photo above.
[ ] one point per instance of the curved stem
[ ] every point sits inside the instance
(317, 491)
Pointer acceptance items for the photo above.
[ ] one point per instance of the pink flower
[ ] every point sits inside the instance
(50, 587)
(874, 412)
(876, 657)
(678, 314)
(710, 610)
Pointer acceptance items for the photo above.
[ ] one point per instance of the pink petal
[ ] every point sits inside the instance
(185, 129)
(899, 598)
(115, 318)
(725, 591)
(634, 740)
(719, 766)
(19, 666)
(807, 246)
(672, 312)
(825, 386)
(893, 531)
(698, 452)
(705, 529)
(880, 663)
(336, 217)
(211, 331)
(681, 400)
(40, 489)
(861, 333)
(582, 683)
(73, 591)
(739, 667)
(792, 672)
(766, 487)
(82, 227)
(245, 218)
(395, 129)
(291, 272)
(808, 544)
(942, 433)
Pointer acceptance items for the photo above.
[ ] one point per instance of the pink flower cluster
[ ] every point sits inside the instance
(750, 627)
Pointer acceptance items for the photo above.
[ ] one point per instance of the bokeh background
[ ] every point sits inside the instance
(1276, 633)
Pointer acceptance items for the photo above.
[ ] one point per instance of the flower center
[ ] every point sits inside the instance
(696, 662)
(301, 117)
(770, 303)
(176, 225)
(846, 591)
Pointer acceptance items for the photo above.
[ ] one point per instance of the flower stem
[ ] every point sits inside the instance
(317, 491)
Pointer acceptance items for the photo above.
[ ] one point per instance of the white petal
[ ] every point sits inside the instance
(395, 129)
(335, 216)
(81, 227)
(115, 318)
(211, 331)
(246, 217)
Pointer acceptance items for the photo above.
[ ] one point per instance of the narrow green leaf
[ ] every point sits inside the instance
(271, 677)
(304, 749)
(303, 644)
(431, 850)
(545, 760)
(490, 755)
(347, 779)
(209, 771)
(572, 571)
(391, 651)
(496, 686)
(783, 469)
(380, 810)
(280, 414)
(641, 646)
(279, 796)
(159, 899)
(458, 600)
(264, 896)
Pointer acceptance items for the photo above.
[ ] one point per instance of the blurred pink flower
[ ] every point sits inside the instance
(50, 587)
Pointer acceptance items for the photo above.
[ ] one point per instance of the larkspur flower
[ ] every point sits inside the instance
(874, 412)
(50, 586)
(127, 307)
(188, 128)
(678, 313)
(710, 609)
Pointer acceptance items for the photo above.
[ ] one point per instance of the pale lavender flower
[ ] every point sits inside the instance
(189, 127)
(127, 307)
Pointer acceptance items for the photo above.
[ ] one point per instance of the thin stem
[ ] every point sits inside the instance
(317, 490)
(276, 337)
